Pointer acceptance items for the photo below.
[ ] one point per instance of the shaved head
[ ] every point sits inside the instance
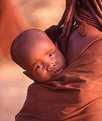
(24, 43)
(36, 53)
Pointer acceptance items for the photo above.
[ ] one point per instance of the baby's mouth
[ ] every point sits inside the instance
(58, 71)
(56, 74)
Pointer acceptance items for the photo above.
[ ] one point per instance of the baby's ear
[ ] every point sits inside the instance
(28, 74)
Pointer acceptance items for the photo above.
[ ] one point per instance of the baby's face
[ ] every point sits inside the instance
(46, 61)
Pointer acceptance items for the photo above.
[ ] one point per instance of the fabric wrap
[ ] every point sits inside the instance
(76, 94)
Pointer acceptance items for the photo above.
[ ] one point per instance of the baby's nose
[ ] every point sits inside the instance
(51, 66)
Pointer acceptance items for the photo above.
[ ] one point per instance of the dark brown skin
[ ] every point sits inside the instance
(43, 59)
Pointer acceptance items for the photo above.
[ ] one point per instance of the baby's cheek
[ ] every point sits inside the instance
(42, 76)
(46, 76)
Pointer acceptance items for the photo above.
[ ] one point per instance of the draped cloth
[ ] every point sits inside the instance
(76, 94)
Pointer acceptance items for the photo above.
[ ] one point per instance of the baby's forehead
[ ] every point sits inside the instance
(40, 39)
(34, 39)
(36, 36)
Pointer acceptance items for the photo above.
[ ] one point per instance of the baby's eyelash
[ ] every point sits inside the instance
(38, 66)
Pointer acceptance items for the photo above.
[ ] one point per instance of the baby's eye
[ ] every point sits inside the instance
(38, 66)
(52, 54)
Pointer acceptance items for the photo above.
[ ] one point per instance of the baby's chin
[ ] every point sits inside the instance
(44, 79)
(57, 75)
(52, 77)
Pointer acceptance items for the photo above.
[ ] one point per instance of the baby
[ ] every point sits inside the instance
(37, 55)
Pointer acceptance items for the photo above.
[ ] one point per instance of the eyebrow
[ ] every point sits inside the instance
(48, 51)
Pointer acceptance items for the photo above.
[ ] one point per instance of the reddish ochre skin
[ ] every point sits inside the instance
(45, 59)
(76, 93)
(38, 55)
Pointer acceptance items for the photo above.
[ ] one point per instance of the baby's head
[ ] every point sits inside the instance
(35, 52)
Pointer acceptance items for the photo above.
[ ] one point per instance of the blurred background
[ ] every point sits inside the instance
(17, 16)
